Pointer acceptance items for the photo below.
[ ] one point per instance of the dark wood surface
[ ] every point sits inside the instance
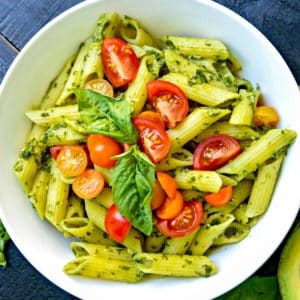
(279, 20)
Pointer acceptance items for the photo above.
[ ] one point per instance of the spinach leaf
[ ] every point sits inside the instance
(132, 186)
(254, 288)
(107, 116)
(4, 237)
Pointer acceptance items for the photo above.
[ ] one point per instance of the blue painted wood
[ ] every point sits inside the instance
(278, 20)
(21, 19)
(7, 55)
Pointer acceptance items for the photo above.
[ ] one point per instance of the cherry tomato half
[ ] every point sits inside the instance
(116, 225)
(89, 184)
(119, 61)
(158, 196)
(169, 100)
(171, 207)
(101, 149)
(215, 151)
(100, 86)
(153, 139)
(187, 221)
(72, 160)
(152, 116)
(168, 184)
(222, 197)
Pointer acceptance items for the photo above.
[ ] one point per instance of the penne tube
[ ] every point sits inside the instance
(240, 132)
(205, 181)
(175, 265)
(136, 94)
(133, 32)
(86, 249)
(204, 93)
(206, 48)
(104, 268)
(272, 144)
(263, 188)
(197, 121)
(214, 226)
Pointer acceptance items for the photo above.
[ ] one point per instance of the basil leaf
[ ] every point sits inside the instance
(4, 237)
(106, 115)
(132, 186)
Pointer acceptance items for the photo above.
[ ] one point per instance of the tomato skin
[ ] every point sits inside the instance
(158, 196)
(89, 184)
(171, 208)
(220, 198)
(119, 61)
(101, 149)
(153, 139)
(215, 151)
(72, 160)
(168, 184)
(55, 150)
(152, 116)
(186, 222)
(100, 86)
(266, 116)
(116, 225)
(168, 100)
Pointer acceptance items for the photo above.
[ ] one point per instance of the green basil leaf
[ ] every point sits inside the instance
(106, 115)
(132, 186)
(4, 237)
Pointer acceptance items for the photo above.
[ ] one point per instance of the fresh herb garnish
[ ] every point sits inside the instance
(106, 115)
(132, 186)
(4, 237)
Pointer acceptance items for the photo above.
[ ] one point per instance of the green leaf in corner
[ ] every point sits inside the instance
(132, 186)
(106, 115)
(4, 237)
(254, 288)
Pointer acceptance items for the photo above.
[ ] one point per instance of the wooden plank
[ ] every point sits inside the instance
(20, 20)
(8, 53)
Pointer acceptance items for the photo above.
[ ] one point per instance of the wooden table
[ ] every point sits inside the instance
(279, 20)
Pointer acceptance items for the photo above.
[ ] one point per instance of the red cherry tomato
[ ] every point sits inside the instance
(116, 225)
(215, 151)
(169, 100)
(119, 61)
(55, 150)
(101, 149)
(153, 139)
(187, 221)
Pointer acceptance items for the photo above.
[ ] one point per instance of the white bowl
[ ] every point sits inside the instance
(38, 63)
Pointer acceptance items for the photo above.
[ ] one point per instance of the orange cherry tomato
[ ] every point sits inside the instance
(100, 86)
(152, 116)
(220, 198)
(266, 116)
(119, 61)
(168, 184)
(102, 149)
(72, 160)
(158, 196)
(170, 207)
(169, 100)
(88, 184)
(116, 225)
(153, 139)
(215, 151)
(186, 222)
